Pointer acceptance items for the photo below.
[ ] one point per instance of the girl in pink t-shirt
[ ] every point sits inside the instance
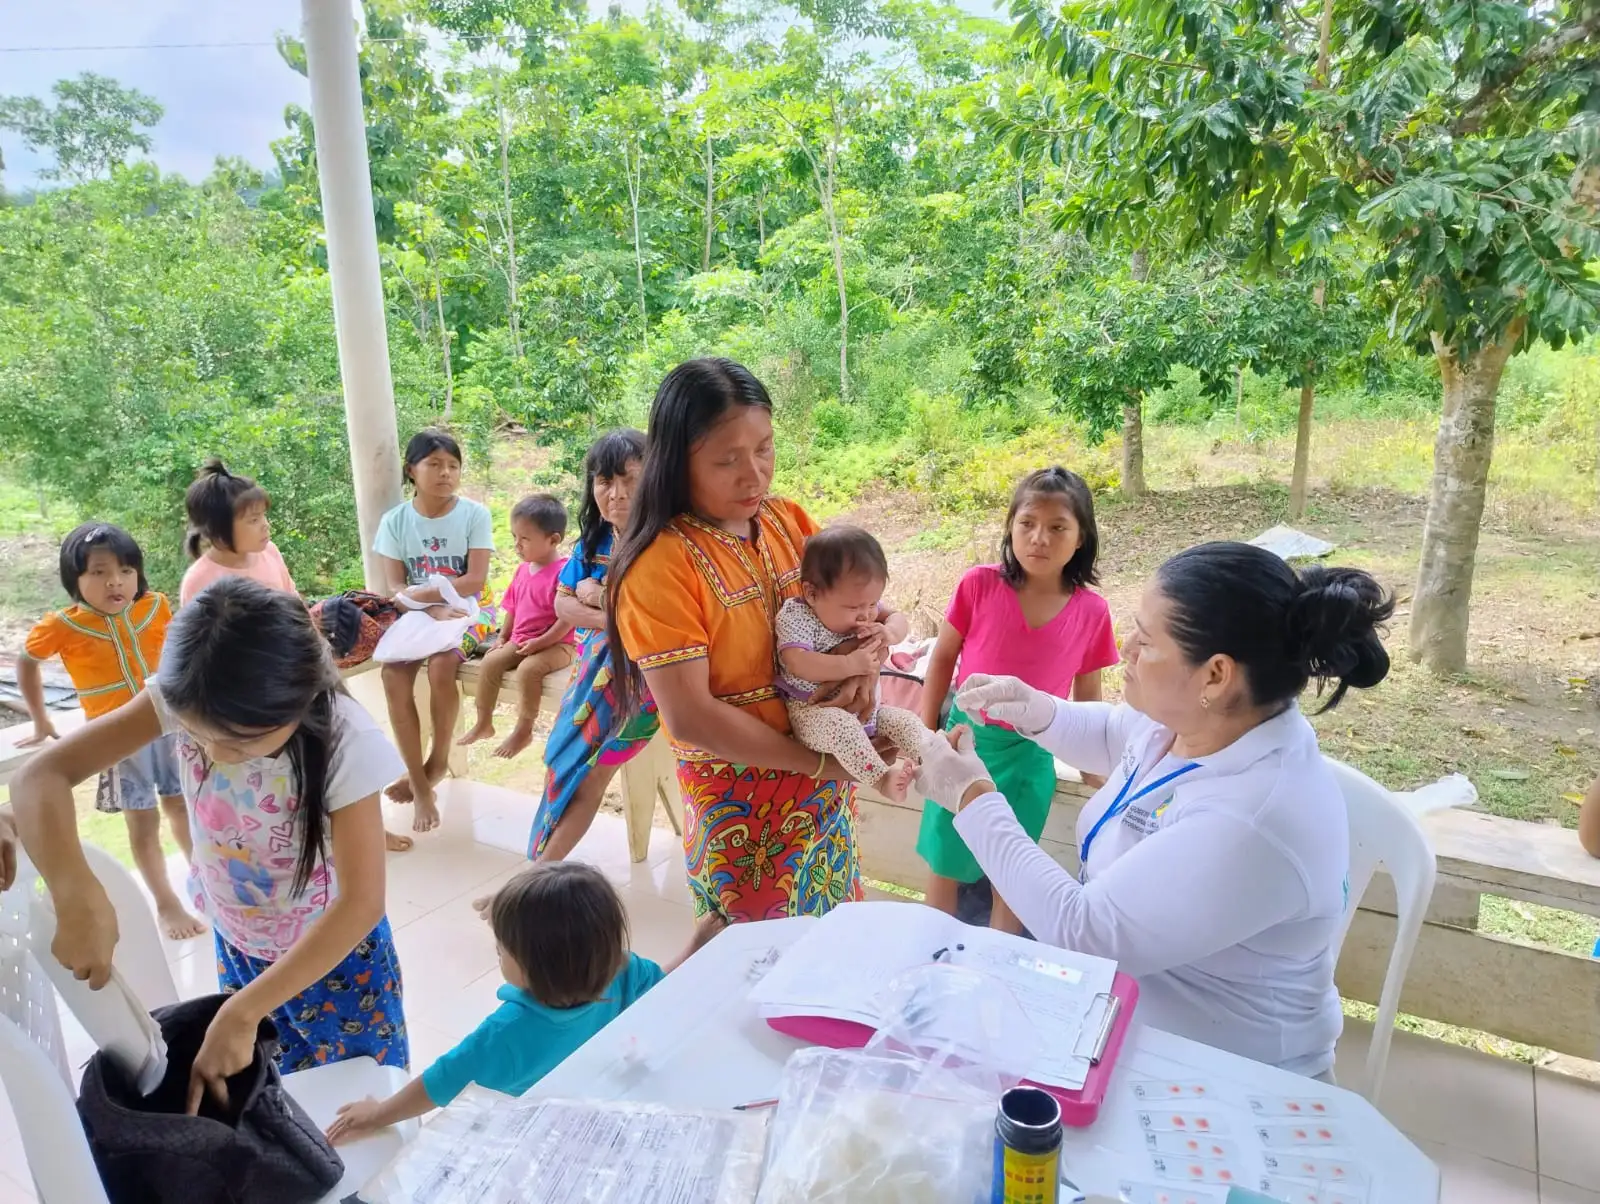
(1031, 616)
(229, 535)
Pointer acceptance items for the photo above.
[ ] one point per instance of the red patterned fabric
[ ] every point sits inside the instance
(762, 845)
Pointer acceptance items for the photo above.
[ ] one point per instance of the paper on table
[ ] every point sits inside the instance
(841, 968)
(487, 1148)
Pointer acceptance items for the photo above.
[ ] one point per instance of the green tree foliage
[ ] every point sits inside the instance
(908, 227)
(1458, 145)
(143, 327)
(94, 125)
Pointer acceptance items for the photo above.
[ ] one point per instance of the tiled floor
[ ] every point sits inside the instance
(1501, 1132)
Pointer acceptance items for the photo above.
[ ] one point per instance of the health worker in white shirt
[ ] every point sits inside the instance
(1216, 856)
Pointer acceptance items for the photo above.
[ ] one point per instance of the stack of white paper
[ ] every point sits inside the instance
(843, 967)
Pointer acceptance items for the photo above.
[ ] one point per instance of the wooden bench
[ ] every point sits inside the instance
(1539, 996)
(647, 780)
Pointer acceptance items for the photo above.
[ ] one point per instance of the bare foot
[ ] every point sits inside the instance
(177, 924)
(426, 818)
(481, 730)
(521, 736)
(400, 790)
(396, 843)
(897, 782)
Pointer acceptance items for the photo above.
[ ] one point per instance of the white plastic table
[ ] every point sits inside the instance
(695, 1040)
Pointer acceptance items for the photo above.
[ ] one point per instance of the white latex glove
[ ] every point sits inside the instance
(946, 771)
(1007, 700)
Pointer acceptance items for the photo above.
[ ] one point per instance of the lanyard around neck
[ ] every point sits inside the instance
(1120, 804)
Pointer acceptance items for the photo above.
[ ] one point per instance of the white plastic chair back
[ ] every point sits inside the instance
(140, 958)
(1384, 831)
(52, 1135)
(26, 997)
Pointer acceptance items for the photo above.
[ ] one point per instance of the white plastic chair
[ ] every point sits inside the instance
(142, 962)
(1383, 830)
(33, 1063)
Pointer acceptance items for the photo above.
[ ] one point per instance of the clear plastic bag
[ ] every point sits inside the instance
(910, 1118)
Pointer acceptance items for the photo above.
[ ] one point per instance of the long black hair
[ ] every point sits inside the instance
(1282, 628)
(692, 399)
(213, 501)
(246, 659)
(1079, 571)
(607, 457)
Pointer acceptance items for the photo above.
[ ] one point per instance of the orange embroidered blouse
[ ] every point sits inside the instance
(108, 657)
(699, 592)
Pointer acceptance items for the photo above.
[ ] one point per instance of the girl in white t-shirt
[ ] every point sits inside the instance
(281, 770)
(437, 533)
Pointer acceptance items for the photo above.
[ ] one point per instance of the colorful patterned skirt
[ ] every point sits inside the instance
(762, 845)
(578, 738)
(355, 1012)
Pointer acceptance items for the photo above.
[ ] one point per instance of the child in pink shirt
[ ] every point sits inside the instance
(533, 643)
(1032, 616)
(229, 535)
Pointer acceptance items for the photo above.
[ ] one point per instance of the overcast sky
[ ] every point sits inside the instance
(218, 100)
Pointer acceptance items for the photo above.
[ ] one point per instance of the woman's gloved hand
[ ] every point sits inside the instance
(950, 772)
(1007, 700)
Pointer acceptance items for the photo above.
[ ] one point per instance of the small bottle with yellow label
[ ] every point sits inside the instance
(1027, 1148)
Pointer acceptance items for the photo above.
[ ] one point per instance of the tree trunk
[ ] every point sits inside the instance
(1302, 431)
(1461, 457)
(1238, 395)
(1133, 408)
(1302, 448)
(1133, 447)
(826, 190)
(1022, 211)
(634, 170)
(513, 315)
(711, 202)
(761, 220)
(444, 343)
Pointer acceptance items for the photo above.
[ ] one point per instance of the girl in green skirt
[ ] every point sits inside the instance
(1031, 616)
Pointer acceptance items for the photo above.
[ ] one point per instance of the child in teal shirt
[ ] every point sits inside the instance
(562, 934)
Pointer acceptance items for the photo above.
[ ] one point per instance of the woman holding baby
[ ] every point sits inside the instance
(696, 587)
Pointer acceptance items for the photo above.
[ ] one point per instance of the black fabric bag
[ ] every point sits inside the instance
(261, 1149)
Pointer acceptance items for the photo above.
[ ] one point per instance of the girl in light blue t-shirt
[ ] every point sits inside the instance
(437, 533)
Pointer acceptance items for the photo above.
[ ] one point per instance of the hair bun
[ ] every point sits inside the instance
(212, 466)
(1333, 626)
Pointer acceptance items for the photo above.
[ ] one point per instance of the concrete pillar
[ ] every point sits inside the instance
(329, 27)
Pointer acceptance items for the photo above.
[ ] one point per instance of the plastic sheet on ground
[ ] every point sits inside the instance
(490, 1149)
(1291, 544)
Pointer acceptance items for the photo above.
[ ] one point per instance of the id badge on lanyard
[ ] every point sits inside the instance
(1121, 803)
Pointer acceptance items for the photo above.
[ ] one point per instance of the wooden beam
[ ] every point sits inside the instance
(1533, 862)
(1524, 993)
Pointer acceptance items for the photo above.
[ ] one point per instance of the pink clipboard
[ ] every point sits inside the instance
(1078, 1108)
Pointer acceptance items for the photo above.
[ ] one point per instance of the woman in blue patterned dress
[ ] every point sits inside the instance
(579, 759)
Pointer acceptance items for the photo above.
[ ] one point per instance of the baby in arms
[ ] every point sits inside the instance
(842, 577)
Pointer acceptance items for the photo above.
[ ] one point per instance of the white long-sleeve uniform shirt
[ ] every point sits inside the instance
(1221, 892)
